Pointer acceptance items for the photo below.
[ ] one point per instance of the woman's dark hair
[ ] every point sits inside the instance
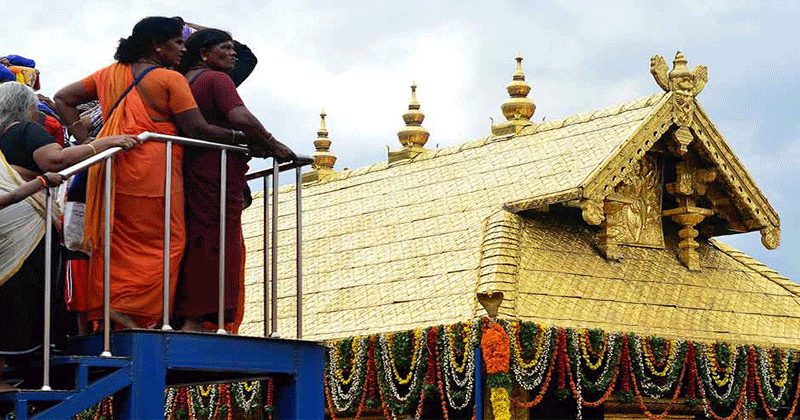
(149, 31)
(205, 38)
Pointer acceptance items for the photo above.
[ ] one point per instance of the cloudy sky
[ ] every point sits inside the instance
(357, 59)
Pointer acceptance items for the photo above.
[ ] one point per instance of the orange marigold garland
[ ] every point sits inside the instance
(496, 350)
(495, 347)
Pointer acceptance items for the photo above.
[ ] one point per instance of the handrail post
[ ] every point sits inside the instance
(265, 255)
(167, 212)
(107, 260)
(223, 184)
(274, 273)
(48, 255)
(299, 249)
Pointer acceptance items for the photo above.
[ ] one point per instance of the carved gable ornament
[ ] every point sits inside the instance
(684, 85)
(708, 185)
(631, 215)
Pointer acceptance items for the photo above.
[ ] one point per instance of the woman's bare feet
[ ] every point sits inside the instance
(123, 320)
(194, 325)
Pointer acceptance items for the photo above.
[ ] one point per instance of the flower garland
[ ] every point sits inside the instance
(588, 348)
(542, 390)
(718, 377)
(269, 408)
(611, 351)
(675, 394)
(650, 387)
(726, 366)
(779, 360)
(458, 387)
(247, 403)
(765, 380)
(104, 410)
(496, 350)
(654, 365)
(737, 364)
(197, 408)
(395, 403)
(530, 373)
(345, 400)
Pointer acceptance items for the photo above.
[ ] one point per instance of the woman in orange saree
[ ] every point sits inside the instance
(160, 102)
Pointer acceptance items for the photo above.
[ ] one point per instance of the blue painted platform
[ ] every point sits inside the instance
(145, 362)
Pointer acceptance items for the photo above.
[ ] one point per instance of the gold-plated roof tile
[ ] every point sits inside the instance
(392, 247)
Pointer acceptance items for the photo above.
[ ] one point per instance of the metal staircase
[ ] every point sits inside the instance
(94, 378)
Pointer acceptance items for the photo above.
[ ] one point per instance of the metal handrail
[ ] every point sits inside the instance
(147, 135)
(271, 270)
(107, 157)
(299, 162)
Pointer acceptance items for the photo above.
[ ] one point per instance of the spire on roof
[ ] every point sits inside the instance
(517, 109)
(413, 136)
(323, 158)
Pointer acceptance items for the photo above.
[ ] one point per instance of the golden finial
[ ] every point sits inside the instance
(413, 136)
(680, 79)
(517, 109)
(323, 158)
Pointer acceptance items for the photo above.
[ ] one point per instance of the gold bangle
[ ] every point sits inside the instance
(94, 151)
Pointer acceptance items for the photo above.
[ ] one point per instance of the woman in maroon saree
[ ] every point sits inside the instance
(210, 56)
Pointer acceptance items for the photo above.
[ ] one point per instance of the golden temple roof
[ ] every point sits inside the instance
(408, 244)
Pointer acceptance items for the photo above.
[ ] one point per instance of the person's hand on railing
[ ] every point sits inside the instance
(31, 187)
(271, 148)
(53, 179)
(124, 141)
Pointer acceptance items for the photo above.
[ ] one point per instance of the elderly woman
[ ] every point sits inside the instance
(210, 55)
(139, 93)
(28, 151)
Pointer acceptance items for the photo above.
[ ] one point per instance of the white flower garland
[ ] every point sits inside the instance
(573, 337)
(388, 374)
(248, 404)
(710, 381)
(197, 400)
(344, 400)
(169, 405)
(649, 387)
(766, 382)
(533, 377)
(610, 348)
(449, 373)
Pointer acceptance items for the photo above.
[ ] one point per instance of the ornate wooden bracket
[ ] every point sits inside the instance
(607, 239)
(592, 211)
(691, 182)
(771, 237)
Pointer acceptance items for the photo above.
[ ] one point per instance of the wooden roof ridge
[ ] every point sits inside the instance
(759, 267)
